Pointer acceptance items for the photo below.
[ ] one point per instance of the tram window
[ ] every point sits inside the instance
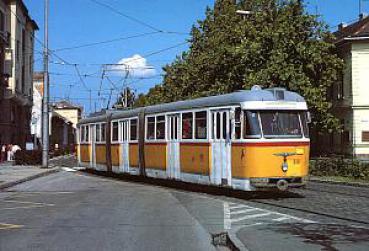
(82, 134)
(98, 132)
(103, 132)
(87, 133)
(160, 127)
(251, 125)
(280, 124)
(150, 128)
(134, 129)
(237, 123)
(218, 125)
(187, 125)
(224, 126)
(304, 121)
(200, 125)
(115, 129)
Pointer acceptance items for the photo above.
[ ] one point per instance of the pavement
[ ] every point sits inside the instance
(71, 210)
(12, 175)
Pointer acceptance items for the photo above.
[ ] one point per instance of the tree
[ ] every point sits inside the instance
(279, 44)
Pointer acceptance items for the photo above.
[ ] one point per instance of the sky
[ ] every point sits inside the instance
(143, 35)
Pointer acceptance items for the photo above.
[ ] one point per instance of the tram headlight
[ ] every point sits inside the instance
(284, 166)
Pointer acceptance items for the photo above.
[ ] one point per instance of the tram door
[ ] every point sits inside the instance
(173, 165)
(125, 145)
(93, 145)
(221, 147)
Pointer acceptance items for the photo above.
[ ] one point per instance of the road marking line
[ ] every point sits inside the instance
(67, 169)
(4, 226)
(250, 217)
(11, 208)
(29, 202)
(245, 211)
(239, 206)
(227, 216)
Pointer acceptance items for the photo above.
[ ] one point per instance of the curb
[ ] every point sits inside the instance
(346, 183)
(39, 175)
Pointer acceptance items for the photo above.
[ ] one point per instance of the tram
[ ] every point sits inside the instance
(249, 140)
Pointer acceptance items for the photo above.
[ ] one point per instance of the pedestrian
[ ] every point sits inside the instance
(8, 152)
(13, 150)
(3, 153)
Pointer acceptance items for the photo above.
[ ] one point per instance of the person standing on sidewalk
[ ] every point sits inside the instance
(3, 153)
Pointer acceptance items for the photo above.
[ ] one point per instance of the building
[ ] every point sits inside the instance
(17, 49)
(64, 119)
(350, 96)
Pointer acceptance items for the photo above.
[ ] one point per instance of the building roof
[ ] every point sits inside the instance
(26, 13)
(358, 30)
(63, 104)
(234, 98)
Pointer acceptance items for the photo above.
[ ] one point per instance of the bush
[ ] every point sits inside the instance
(23, 157)
(338, 166)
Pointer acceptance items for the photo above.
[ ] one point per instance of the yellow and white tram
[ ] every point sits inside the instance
(247, 140)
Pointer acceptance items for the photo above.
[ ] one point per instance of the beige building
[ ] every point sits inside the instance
(17, 47)
(350, 96)
(69, 111)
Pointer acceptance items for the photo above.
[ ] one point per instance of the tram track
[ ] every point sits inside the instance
(335, 192)
(311, 212)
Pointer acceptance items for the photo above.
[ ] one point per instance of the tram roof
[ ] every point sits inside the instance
(234, 98)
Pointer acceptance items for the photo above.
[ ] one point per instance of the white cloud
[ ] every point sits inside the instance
(136, 65)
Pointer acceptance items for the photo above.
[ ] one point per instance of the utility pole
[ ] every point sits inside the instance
(45, 99)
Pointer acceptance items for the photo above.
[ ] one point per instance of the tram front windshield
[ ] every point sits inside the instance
(281, 124)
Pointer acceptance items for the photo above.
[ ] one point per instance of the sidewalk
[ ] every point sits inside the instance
(13, 175)
(339, 181)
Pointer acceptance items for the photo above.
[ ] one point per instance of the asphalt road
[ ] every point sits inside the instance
(77, 211)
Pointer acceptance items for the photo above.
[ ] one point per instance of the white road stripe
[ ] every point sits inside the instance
(250, 217)
(29, 202)
(245, 211)
(239, 206)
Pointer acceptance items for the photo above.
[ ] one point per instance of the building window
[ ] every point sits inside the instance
(150, 128)
(115, 130)
(365, 136)
(17, 49)
(200, 125)
(82, 134)
(187, 125)
(160, 127)
(134, 129)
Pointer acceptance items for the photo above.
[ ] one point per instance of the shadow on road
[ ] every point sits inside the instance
(198, 188)
(325, 235)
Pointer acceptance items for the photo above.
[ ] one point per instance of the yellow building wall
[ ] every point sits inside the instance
(156, 156)
(116, 153)
(85, 153)
(133, 155)
(100, 154)
(260, 161)
(195, 158)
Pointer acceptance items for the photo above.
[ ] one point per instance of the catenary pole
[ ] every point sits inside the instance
(46, 91)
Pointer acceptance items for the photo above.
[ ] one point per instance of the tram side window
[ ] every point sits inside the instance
(150, 128)
(98, 132)
(103, 131)
(87, 133)
(251, 125)
(82, 134)
(187, 125)
(134, 129)
(160, 127)
(237, 123)
(115, 130)
(200, 125)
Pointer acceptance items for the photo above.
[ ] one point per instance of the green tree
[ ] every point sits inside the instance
(279, 44)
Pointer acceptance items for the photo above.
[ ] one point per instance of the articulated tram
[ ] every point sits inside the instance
(246, 140)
